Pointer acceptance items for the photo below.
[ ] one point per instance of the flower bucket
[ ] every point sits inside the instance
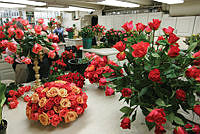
(87, 43)
(70, 35)
(3, 126)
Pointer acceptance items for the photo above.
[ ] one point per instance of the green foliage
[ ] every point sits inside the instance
(86, 32)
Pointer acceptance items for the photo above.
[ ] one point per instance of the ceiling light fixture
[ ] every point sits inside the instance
(6, 5)
(70, 8)
(170, 1)
(25, 2)
(118, 3)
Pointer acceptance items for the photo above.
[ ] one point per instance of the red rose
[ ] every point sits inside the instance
(126, 123)
(36, 48)
(188, 126)
(196, 55)
(168, 30)
(55, 46)
(120, 46)
(12, 93)
(180, 130)
(57, 100)
(9, 59)
(1, 28)
(49, 105)
(140, 49)
(148, 29)
(180, 94)
(126, 92)
(55, 38)
(196, 129)
(12, 47)
(19, 34)
(13, 104)
(79, 110)
(121, 56)
(27, 98)
(154, 75)
(11, 31)
(128, 26)
(193, 72)
(21, 91)
(29, 27)
(38, 29)
(44, 27)
(85, 97)
(173, 51)
(51, 54)
(196, 62)
(159, 129)
(140, 27)
(173, 38)
(55, 120)
(109, 91)
(34, 116)
(34, 107)
(24, 22)
(197, 109)
(50, 113)
(155, 24)
(159, 38)
(2, 35)
(102, 81)
(40, 21)
(157, 116)
(50, 36)
(27, 60)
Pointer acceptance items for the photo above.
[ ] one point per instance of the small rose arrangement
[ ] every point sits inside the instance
(99, 29)
(52, 23)
(67, 55)
(56, 102)
(159, 77)
(86, 32)
(57, 67)
(71, 29)
(75, 78)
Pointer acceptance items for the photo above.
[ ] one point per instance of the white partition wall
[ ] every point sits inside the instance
(168, 21)
(109, 22)
(101, 20)
(185, 25)
(118, 21)
(197, 25)
(142, 18)
(159, 16)
(131, 17)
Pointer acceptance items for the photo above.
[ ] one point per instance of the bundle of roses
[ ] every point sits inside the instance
(57, 67)
(28, 44)
(13, 95)
(159, 78)
(52, 23)
(56, 102)
(71, 29)
(99, 29)
(67, 55)
(75, 78)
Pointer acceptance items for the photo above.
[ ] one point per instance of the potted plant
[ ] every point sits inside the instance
(99, 31)
(3, 123)
(161, 80)
(87, 34)
(70, 32)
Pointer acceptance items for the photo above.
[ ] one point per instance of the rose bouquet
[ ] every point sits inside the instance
(71, 29)
(52, 23)
(159, 78)
(56, 102)
(99, 29)
(57, 67)
(86, 32)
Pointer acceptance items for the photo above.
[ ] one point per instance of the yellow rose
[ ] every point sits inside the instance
(65, 102)
(62, 92)
(71, 116)
(35, 98)
(79, 99)
(60, 81)
(57, 109)
(76, 89)
(45, 89)
(28, 112)
(43, 102)
(44, 119)
(52, 92)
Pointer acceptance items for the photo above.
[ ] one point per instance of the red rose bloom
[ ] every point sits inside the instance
(188, 126)
(173, 38)
(1, 28)
(196, 55)
(121, 56)
(173, 51)
(168, 30)
(21, 91)
(180, 94)
(126, 123)
(159, 38)
(11, 31)
(140, 49)
(38, 29)
(196, 109)
(57, 100)
(109, 91)
(120, 46)
(19, 34)
(36, 48)
(140, 27)
(55, 120)
(12, 93)
(34, 116)
(196, 129)
(155, 24)
(9, 59)
(157, 116)
(27, 98)
(193, 72)
(44, 27)
(128, 26)
(27, 61)
(79, 110)
(24, 22)
(148, 29)
(40, 21)
(159, 129)
(154, 75)
(51, 54)
(102, 81)
(126, 92)
(13, 104)
(12, 47)
(50, 113)
(2, 35)
(180, 130)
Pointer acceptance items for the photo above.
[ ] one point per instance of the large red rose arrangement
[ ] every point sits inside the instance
(56, 102)
(160, 79)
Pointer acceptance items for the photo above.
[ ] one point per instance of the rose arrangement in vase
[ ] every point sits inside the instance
(87, 34)
(159, 77)
(98, 31)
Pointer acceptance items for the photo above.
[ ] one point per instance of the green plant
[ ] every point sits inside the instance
(2, 98)
(194, 40)
(87, 32)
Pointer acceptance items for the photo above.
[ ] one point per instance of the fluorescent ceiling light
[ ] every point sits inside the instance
(6, 5)
(118, 3)
(25, 2)
(70, 8)
(170, 1)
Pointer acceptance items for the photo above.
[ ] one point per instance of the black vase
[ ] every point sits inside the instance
(75, 66)
(3, 126)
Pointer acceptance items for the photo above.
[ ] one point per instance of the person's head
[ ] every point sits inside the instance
(58, 25)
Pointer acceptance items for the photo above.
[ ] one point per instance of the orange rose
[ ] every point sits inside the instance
(52, 92)
(65, 102)
(57, 109)
(71, 116)
(28, 112)
(80, 100)
(45, 89)
(62, 92)
(42, 102)
(35, 98)
(44, 119)
(76, 89)
(60, 81)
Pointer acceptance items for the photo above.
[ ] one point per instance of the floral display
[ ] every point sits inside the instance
(56, 102)
(159, 77)
(86, 32)
(99, 29)
(75, 78)
(52, 22)
(67, 55)
(57, 67)
(71, 29)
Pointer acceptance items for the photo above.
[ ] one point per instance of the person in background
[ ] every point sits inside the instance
(59, 31)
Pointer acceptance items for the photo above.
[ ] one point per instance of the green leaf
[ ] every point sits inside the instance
(107, 75)
(171, 117)
(160, 102)
(125, 109)
(179, 121)
(156, 55)
(143, 91)
(192, 47)
(134, 116)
